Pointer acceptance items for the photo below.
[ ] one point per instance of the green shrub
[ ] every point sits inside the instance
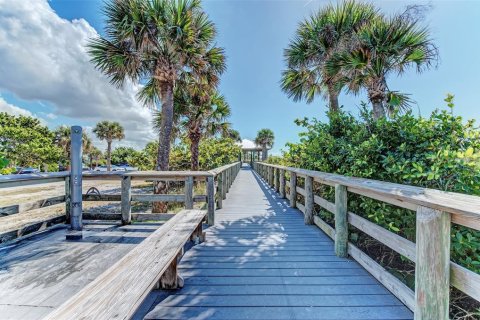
(441, 151)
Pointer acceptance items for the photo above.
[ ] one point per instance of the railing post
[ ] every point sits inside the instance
(308, 217)
(341, 223)
(277, 180)
(293, 189)
(210, 200)
(270, 176)
(432, 265)
(219, 191)
(126, 207)
(224, 185)
(189, 193)
(68, 199)
(282, 183)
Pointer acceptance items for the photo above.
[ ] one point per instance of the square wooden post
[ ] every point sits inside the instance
(277, 180)
(211, 200)
(282, 183)
(432, 264)
(224, 185)
(126, 207)
(308, 217)
(341, 223)
(293, 189)
(189, 193)
(219, 191)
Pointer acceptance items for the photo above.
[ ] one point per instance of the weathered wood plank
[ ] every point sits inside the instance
(432, 265)
(158, 197)
(399, 289)
(341, 223)
(26, 206)
(393, 241)
(210, 201)
(309, 201)
(189, 193)
(324, 227)
(325, 204)
(293, 190)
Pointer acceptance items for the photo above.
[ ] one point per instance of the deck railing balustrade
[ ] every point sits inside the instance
(218, 182)
(435, 211)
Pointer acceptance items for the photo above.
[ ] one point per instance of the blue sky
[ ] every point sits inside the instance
(254, 34)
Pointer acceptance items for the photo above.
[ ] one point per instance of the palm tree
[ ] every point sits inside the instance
(94, 154)
(382, 47)
(265, 139)
(316, 41)
(109, 131)
(155, 42)
(199, 114)
(233, 134)
(63, 140)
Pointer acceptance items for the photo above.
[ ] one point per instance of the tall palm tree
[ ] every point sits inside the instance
(109, 131)
(265, 138)
(155, 42)
(380, 48)
(199, 114)
(317, 39)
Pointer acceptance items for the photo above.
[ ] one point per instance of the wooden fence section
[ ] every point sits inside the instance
(436, 210)
(218, 182)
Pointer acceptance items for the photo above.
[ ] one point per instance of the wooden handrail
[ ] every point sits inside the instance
(435, 211)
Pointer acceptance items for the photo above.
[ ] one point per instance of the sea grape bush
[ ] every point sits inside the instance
(441, 151)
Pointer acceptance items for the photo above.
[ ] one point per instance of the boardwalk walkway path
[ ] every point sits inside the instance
(261, 262)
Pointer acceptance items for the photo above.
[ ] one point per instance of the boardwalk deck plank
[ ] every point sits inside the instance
(261, 262)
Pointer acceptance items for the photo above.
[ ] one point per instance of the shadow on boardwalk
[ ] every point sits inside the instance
(261, 262)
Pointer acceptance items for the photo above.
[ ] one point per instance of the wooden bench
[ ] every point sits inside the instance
(120, 290)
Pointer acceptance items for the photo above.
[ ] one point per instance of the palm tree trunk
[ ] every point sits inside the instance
(264, 153)
(377, 94)
(194, 136)
(333, 98)
(378, 109)
(163, 157)
(109, 155)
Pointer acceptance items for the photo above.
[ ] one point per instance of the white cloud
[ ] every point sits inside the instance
(43, 58)
(11, 109)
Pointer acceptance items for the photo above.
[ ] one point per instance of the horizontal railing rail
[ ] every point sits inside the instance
(435, 211)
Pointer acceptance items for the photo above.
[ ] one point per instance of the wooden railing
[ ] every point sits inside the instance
(218, 182)
(435, 211)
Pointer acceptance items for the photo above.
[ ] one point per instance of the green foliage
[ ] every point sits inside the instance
(24, 141)
(217, 152)
(214, 152)
(121, 155)
(441, 151)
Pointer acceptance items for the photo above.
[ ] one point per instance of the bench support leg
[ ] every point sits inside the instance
(198, 236)
(170, 278)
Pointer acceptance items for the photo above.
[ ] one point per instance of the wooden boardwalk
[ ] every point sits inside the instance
(261, 262)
